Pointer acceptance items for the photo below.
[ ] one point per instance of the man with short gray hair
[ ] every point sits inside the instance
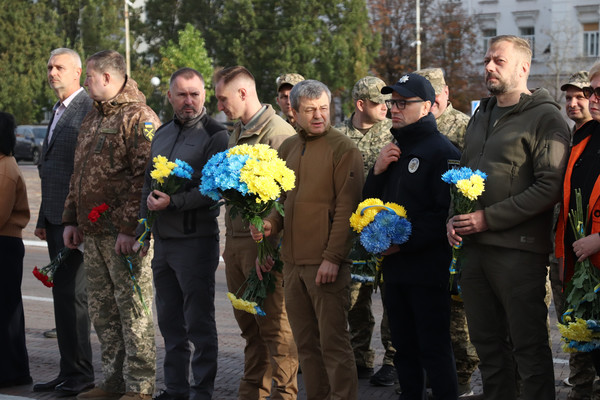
(56, 166)
(316, 242)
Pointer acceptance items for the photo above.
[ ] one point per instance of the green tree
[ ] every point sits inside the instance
(189, 51)
(448, 41)
(326, 40)
(27, 34)
(102, 26)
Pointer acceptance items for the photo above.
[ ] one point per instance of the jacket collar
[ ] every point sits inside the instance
(128, 94)
(191, 122)
(415, 132)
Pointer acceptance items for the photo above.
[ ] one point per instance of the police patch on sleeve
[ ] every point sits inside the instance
(453, 163)
(413, 165)
(149, 131)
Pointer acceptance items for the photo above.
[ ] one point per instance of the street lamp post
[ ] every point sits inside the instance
(127, 56)
(418, 41)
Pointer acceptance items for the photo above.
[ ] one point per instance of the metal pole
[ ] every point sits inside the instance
(127, 57)
(418, 35)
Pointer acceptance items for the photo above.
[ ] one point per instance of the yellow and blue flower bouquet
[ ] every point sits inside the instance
(250, 179)
(466, 187)
(378, 225)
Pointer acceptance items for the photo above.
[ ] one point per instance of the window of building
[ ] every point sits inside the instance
(590, 39)
(487, 35)
(528, 33)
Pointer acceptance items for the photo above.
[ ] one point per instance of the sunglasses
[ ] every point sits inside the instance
(400, 104)
(589, 91)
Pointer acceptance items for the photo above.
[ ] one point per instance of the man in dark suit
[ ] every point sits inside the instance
(56, 166)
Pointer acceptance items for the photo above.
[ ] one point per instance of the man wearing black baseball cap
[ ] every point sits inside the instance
(408, 172)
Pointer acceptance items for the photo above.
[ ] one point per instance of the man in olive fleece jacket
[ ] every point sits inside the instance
(520, 139)
(316, 243)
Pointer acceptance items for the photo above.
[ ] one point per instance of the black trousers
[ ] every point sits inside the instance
(184, 278)
(419, 318)
(71, 311)
(14, 361)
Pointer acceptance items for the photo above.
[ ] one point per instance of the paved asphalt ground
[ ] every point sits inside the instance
(44, 356)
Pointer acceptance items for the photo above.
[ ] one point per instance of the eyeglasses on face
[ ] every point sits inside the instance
(589, 91)
(400, 104)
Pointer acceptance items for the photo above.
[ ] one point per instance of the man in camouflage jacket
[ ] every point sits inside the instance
(451, 122)
(113, 148)
(369, 129)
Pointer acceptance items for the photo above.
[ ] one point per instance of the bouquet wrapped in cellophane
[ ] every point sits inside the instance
(250, 179)
(377, 226)
(466, 187)
(580, 324)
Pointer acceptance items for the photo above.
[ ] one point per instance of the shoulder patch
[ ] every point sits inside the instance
(453, 163)
(149, 131)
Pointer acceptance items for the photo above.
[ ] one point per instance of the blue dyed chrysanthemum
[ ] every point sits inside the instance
(452, 176)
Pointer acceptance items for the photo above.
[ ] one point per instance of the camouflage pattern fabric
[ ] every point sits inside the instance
(360, 316)
(464, 352)
(113, 148)
(361, 322)
(125, 331)
(453, 124)
(371, 142)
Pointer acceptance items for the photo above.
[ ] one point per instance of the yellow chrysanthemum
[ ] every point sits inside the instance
(162, 168)
(265, 174)
(358, 221)
(242, 305)
(471, 188)
(398, 209)
(577, 330)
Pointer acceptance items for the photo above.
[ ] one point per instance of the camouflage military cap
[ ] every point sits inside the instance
(369, 88)
(578, 79)
(288, 79)
(435, 76)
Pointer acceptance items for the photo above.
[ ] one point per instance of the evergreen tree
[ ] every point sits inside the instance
(27, 35)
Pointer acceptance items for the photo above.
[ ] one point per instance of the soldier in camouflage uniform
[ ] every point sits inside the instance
(285, 83)
(582, 372)
(113, 148)
(453, 124)
(369, 128)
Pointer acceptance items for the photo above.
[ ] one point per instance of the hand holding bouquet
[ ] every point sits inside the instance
(102, 213)
(466, 187)
(250, 179)
(580, 327)
(167, 177)
(46, 274)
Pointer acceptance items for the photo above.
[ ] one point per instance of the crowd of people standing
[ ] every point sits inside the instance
(399, 140)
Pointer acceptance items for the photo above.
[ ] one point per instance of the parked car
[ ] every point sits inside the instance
(30, 139)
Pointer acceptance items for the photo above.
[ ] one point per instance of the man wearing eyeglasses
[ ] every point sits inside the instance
(520, 140)
(408, 172)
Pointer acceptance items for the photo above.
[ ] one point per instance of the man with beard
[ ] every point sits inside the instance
(186, 243)
(520, 139)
